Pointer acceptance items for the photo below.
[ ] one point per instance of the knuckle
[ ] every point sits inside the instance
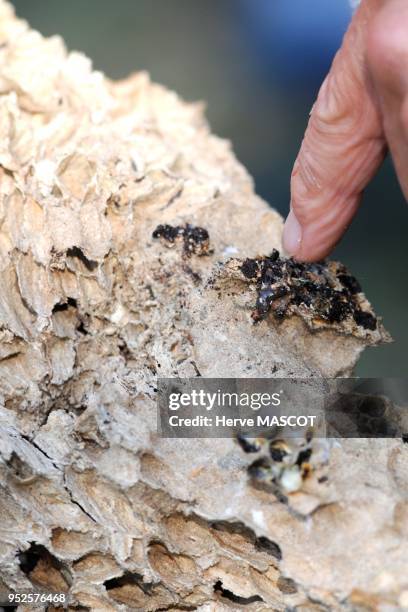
(341, 101)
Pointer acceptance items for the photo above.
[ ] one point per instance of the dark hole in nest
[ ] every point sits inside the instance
(218, 588)
(79, 254)
(261, 543)
(61, 306)
(125, 579)
(236, 527)
(29, 558)
(81, 329)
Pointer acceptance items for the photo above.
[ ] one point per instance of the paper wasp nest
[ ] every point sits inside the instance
(93, 309)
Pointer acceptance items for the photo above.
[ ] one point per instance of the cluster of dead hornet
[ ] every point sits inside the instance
(284, 463)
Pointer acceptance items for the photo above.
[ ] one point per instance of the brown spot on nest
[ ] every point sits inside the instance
(195, 239)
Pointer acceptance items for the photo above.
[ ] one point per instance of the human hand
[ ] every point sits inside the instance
(361, 109)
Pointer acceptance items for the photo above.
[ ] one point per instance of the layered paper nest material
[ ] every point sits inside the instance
(93, 309)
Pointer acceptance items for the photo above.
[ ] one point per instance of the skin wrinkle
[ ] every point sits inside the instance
(333, 224)
(347, 115)
(343, 145)
(310, 185)
(306, 173)
(326, 229)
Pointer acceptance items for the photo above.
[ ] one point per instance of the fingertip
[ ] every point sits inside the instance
(321, 234)
(292, 235)
(312, 249)
(306, 246)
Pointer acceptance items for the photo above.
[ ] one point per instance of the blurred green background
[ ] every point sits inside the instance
(258, 65)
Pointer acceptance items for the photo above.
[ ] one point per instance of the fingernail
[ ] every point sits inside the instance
(292, 234)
